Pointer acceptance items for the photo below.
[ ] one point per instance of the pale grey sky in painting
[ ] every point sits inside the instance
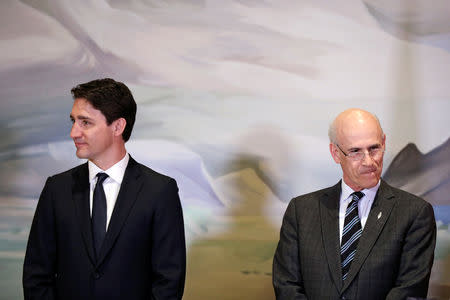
(209, 76)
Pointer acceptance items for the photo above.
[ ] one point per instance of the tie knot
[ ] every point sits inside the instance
(101, 177)
(357, 195)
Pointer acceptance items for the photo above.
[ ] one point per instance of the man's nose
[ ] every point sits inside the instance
(75, 131)
(367, 159)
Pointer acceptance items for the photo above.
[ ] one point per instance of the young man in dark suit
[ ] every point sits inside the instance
(110, 228)
(360, 239)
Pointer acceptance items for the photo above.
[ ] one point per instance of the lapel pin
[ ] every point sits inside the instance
(379, 215)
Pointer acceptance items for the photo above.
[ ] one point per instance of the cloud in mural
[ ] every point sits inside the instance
(172, 159)
(177, 161)
(420, 22)
(420, 19)
(223, 46)
(226, 57)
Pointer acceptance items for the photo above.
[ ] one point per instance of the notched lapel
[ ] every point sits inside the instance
(329, 221)
(382, 206)
(80, 196)
(128, 194)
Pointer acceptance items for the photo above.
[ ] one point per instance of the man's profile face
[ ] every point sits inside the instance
(360, 135)
(91, 134)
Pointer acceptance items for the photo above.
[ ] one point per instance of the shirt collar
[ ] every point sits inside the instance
(116, 172)
(346, 191)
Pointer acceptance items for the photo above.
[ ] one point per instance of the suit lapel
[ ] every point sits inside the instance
(329, 221)
(382, 206)
(80, 197)
(129, 190)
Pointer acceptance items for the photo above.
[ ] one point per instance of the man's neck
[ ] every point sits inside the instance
(110, 160)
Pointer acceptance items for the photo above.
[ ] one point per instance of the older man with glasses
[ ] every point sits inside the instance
(359, 239)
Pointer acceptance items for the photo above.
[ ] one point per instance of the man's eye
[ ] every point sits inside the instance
(85, 123)
(375, 150)
(355, 153)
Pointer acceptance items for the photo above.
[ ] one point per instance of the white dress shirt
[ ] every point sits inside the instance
(111, 185)
(364, 204)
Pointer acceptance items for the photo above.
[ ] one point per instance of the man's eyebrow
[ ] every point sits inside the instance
(80, 117)
(377, 145)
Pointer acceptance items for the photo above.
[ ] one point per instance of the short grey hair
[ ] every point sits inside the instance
(332, 132)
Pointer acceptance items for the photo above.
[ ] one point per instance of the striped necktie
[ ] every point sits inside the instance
(351, 233)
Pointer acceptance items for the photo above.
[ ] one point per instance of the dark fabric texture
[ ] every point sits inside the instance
(98, 218)
(393, 259)
(143, 254)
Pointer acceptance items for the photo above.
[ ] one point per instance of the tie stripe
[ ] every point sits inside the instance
(350, 234)
(351, 208)
(349, 258)
(350, 225)
(351, 241)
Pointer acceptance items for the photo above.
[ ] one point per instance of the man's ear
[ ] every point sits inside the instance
(335, 153)
(119, 126)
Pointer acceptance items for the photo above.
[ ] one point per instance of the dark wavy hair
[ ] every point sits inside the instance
(112, 98)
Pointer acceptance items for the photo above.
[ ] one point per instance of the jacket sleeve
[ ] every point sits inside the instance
(40, 257)
(168, 247)
(417, 257)
(287, 278)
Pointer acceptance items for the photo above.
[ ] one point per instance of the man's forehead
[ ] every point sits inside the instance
(360, 134)
(360, 138)
(84, 109)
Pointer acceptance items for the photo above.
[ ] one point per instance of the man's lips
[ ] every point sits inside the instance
(368, 171)
(79, 144)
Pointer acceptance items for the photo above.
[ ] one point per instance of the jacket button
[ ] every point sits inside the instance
(96, 275)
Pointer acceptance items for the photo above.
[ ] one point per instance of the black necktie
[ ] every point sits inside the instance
(351, 233)
(99, 213)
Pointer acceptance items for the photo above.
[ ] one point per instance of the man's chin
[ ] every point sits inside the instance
(81, 154)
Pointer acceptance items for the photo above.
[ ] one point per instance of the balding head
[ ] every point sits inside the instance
(349, 118)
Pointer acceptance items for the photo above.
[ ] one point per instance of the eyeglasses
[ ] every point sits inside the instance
(374, 152)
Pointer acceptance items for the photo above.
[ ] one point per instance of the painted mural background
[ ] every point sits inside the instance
(234, 102)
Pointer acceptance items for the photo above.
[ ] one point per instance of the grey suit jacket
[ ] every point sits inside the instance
(393, 259)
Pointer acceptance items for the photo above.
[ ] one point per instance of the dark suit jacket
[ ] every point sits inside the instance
(143, 255)
(393, 259)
